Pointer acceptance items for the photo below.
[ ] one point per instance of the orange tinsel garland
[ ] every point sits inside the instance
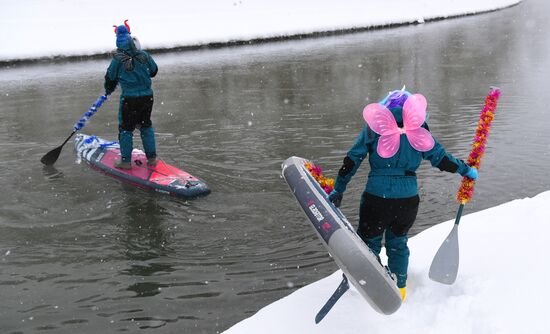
(466, 190)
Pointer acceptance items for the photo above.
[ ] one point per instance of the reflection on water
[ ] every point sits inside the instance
(145, 238)
(79, 252)
(51, 173)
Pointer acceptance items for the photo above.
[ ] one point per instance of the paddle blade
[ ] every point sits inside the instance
(444, 268)
(51, 157)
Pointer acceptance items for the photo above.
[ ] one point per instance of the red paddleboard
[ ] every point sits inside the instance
(162, 178)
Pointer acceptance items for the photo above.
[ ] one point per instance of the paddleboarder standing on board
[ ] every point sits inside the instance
(133, 68)
(390, 201)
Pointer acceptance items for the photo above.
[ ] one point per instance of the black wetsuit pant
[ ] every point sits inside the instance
(378, 214)
(394, 217)
(136, 112)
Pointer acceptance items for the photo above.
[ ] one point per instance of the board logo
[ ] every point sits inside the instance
(316, 212)
(326, 227)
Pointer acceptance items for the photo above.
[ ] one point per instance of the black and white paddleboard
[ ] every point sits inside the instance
(351, 254)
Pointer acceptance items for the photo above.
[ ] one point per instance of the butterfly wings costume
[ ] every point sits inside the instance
(396, 139)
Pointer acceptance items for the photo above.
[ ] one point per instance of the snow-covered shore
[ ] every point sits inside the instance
(500, 286)
(34, 29)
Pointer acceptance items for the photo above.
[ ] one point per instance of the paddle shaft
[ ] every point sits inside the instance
(66, 140)
(459, 213)
(51, 157)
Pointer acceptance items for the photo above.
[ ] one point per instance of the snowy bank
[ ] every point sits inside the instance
(501, 288)
(31, 29)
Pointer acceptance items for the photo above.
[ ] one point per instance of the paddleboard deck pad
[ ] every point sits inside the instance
(356, 260)
(162, 178)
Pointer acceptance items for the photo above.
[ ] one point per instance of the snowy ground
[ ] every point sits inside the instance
(32, 29)
(500, 287)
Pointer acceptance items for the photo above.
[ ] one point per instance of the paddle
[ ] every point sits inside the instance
(51, 157)
(444, 267)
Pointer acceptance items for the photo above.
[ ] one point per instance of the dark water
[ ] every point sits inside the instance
(81, 253)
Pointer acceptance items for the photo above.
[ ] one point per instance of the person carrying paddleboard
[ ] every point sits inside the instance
(133, 68)
(396, 139)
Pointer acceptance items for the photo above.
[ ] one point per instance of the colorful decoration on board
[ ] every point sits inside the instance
(466, 190)
(326, 183)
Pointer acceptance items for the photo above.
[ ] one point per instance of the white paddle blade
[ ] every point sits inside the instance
(444, 268)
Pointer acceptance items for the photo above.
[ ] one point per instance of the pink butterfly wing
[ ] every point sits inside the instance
(414, 115)
(380, 119)
(414, 111)
(420, 139)
(388, 145)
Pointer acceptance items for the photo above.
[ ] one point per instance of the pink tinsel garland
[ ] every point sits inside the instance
(326, 183)
(466, 190)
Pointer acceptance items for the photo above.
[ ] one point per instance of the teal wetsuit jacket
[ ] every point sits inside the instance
(393, 177)
(133, 69)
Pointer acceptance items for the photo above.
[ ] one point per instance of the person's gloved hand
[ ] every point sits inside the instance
(336, 198)
(472, 173)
